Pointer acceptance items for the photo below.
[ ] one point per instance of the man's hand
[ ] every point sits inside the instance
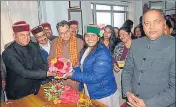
(130, 97)
(49, 74)
(116, 68)
(69, 75)
(134, 101)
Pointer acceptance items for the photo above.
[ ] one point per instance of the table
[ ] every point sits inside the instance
(40, 101)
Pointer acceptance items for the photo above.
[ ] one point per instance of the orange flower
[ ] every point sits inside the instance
(56, 100)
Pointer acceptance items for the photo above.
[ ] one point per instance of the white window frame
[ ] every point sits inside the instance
(165, 8)
(111, 11)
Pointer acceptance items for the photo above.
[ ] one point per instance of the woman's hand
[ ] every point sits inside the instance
(49, 74)
(68, 75)
(116, 68)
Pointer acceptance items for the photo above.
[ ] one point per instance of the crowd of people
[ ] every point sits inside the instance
(146, 80)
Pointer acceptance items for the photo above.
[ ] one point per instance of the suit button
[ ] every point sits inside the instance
(148, 47)
(142, 71)
(138, 83)
(144, 59)
(137, 95)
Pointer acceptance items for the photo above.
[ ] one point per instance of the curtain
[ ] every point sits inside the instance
(13, 11)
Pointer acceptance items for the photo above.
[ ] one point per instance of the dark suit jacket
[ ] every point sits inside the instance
(25, 69)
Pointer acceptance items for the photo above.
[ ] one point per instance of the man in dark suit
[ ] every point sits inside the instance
(3, 79)
(24, 64)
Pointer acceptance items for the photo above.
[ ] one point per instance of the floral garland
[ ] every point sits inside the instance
(72, 48)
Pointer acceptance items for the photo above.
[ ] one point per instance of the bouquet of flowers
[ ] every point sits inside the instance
(60, 67)
(58, 93)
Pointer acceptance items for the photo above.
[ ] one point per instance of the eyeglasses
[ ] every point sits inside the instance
(63, 33)
(39, 37)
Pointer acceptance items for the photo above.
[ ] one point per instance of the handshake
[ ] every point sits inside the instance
(58, 74)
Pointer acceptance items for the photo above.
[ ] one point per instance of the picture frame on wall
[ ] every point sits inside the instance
(75, 4)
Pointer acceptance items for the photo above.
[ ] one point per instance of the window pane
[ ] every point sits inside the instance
(170, 4)
(118, 8)
(91, 6)
(157, 5)
(103, 18)
(119, 19)
(169, 12)
(103, 7)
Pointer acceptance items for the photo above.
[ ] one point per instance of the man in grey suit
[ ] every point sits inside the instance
(148, 78)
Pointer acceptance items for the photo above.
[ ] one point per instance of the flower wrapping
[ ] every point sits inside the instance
(58, 93)
(60, 66)
(69, 95)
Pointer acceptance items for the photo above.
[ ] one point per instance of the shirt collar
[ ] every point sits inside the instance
(48, 43)
(158, 40)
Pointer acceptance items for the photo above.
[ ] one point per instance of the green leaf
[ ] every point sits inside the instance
(49, 97)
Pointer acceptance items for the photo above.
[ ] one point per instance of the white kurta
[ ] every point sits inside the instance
(46, 47)
(110, 101)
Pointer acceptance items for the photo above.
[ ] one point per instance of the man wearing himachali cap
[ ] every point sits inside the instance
(24, 64)
(31, 37)
(74, 29)
(43, 41)
(44, 45)
(47, 28)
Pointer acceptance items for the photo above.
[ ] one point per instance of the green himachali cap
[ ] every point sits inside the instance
(93, 29)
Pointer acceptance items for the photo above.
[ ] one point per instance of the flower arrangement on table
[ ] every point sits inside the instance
(60, 66)
(58, 93)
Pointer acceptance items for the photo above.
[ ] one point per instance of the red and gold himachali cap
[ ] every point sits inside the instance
(73, 22)
(46, 25)
(20, 26)
(37, 29)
